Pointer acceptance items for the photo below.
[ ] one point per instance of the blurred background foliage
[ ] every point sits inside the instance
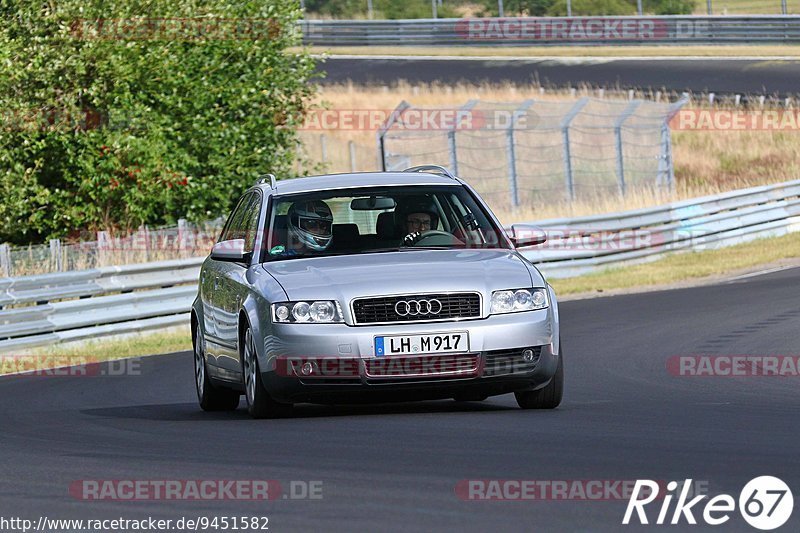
(118, 113)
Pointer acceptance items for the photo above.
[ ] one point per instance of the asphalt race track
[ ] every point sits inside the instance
(721, 76)
(395, 467)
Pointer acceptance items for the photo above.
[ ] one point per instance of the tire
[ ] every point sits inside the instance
(209, 397)
(259, 403)
(548, 397)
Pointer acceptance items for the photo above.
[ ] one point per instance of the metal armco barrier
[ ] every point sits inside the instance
(52, 308)
(526, 31)
(583, 245)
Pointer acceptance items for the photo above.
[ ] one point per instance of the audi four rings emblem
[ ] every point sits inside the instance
(418, 307)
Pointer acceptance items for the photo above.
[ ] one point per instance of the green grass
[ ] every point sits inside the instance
(682, 267)
(176, 339)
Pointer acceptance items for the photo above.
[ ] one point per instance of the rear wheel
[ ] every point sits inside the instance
(259, 403)
(548, 397)
(210, 398)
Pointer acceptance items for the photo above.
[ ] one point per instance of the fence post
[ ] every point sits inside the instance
(451, 134)
(323, 146)
(102, 247)
(5, 260)
(666, 172)
(629, 110)
(352, 146)
(55, 255)
(565, 122)
(381, 133)
(708, 7)
(665, 167)
(511, 152)
(183, 241)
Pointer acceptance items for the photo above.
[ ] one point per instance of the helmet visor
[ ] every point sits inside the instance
(318, 227)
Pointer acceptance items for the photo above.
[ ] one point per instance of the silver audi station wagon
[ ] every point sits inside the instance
(372, 287)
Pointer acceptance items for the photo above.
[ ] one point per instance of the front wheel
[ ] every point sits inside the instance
(548, 397)
(210, 398)
(259, 403)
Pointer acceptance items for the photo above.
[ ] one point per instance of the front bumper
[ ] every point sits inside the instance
(494, 363)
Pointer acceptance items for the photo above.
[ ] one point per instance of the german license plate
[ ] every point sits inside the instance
(422, 344)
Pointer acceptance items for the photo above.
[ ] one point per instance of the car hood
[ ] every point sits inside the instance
(346, 277)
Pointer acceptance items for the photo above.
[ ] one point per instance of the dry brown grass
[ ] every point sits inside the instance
(767, 50)
(706, 162)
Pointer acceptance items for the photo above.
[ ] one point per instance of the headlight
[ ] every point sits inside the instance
(318, 312)
(512, 301)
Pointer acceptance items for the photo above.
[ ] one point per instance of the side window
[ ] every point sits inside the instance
(234, 221)
(244, 221)
(250, 221)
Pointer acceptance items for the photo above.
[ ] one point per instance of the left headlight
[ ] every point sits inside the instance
(512, 301)
(311, 312)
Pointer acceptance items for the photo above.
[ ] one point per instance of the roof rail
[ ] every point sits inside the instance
(431, 168)
(273, 183)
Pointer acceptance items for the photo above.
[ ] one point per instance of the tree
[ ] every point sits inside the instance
(112, 118)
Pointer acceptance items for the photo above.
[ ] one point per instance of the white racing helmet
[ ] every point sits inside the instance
(311, 223)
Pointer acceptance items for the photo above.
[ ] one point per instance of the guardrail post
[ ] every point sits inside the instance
(630, 109)
(565, 122)
(708, 7)
(511, 153)
(5, 260)
(381, 133)
(55, 255)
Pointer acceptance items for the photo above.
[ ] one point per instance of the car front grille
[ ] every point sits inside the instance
(419, 366)
(504, 362)
(417, 308)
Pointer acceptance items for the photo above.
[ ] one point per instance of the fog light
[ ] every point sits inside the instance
(307, 369)
(528, 355)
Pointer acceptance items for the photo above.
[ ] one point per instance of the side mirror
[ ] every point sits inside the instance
(523, 235)
(232, 250)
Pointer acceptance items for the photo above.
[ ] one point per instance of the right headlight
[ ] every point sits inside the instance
(512, 301)
(311, 312)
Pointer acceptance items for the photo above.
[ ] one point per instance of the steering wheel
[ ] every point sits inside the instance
(432, 237)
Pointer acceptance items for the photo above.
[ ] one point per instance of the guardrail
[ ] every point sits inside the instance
(526, 31)
(52, 308)
(41, 310)
(585, 244)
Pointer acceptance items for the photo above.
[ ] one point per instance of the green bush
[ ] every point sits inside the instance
(114, 125)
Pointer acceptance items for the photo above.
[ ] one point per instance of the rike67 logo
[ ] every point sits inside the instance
(765, 503)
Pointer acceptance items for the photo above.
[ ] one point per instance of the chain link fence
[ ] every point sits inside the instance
(540, 151)
(182, 241)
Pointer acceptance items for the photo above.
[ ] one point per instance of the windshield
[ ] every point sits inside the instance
(378, 219)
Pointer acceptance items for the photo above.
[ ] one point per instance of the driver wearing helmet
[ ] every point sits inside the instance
(309, 225)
